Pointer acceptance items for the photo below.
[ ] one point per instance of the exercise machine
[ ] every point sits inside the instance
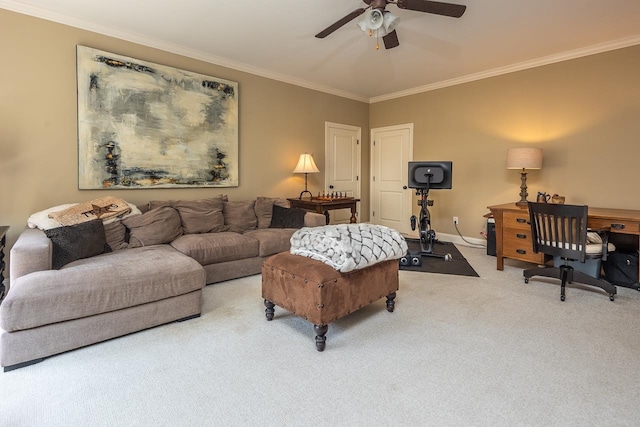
(424, 176)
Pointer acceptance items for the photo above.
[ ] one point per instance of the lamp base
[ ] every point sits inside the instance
(306, 191)
(523, 189)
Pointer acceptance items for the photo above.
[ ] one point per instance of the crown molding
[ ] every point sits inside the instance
(551, 59)
(133, 37)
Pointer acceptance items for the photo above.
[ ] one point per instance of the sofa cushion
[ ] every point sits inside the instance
(77, 241)
(100, 284)
(272, 240)
(115, 234)
(159, 225)
(240, 216)
(287, 217)
(201, 216)
(159, 203)
(264, 209)
(211, 248)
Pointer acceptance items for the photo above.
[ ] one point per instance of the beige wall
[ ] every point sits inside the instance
(38, 125)
(584, 114)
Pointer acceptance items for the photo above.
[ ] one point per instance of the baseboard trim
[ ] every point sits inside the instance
(470, 241)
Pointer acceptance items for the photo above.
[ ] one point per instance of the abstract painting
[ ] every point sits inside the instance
(144, 125)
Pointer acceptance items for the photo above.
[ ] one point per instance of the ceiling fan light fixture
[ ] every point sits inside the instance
(390, 22)
(378, 22)
(372, 20)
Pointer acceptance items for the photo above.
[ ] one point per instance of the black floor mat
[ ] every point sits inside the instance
(458, 264)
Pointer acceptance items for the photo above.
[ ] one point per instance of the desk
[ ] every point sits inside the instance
(324, 206)
(513, 231)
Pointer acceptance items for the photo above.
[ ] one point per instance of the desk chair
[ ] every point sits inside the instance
(561, 231)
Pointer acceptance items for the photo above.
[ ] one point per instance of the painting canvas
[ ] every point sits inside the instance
(144, 125)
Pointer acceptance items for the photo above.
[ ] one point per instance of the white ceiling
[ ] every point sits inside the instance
(276, 39)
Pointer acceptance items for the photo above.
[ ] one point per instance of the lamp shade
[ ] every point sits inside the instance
(524, 158)
(306, 164)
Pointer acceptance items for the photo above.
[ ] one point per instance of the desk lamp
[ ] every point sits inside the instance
(306, 165)
(524, 158)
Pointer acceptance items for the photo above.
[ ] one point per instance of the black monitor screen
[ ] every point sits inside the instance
(432, 175)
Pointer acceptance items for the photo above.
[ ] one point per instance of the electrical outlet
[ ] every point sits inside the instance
(455, 219)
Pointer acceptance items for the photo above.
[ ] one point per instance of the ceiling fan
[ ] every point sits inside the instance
(381, 21)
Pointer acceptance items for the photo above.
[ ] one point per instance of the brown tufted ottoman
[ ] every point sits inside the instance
(320, 294)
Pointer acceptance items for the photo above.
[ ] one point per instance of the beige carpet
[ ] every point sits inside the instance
(486, 351)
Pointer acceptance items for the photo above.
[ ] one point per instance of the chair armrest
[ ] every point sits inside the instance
(31, 252)
(604, 236)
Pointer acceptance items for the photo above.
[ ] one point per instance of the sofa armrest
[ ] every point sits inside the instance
(31, 252)
(314, 219)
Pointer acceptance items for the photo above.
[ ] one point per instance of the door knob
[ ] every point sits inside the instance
(331, 186)
(404, 187)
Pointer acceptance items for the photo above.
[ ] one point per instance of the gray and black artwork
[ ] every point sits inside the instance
(144, 125)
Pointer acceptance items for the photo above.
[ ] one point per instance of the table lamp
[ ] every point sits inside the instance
(306, 165)
(524, 158)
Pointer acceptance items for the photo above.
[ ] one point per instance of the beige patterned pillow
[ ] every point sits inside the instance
(264, 209)
(158, 226)
(240, 216)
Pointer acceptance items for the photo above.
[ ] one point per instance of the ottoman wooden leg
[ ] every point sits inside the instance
(321, 330)
(269, 310)
(391, 304)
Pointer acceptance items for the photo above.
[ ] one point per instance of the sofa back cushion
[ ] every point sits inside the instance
(240, 216)
(115, 233)
(264, 209)
(197, 216)
(157, 226)
(201, 216)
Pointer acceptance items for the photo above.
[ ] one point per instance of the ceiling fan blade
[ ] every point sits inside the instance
(439, 8)
(339, 23)
(391, 40)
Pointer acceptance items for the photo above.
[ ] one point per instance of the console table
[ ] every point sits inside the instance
(3, 245)
(323, 206)
(513, 231)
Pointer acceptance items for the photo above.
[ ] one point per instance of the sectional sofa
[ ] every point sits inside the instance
(79, 285)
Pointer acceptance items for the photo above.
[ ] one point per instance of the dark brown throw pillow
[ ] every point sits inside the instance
(287, 217)
(264, 209)
(158, 226)
(78, 241)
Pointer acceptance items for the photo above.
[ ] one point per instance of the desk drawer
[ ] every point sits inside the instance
(517, 244)
(517, 220)
(627, 227)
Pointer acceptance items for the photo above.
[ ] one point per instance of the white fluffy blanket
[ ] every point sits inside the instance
(348, 247)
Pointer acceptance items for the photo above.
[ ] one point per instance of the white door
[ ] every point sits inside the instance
(391, 200)
(342, 174)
